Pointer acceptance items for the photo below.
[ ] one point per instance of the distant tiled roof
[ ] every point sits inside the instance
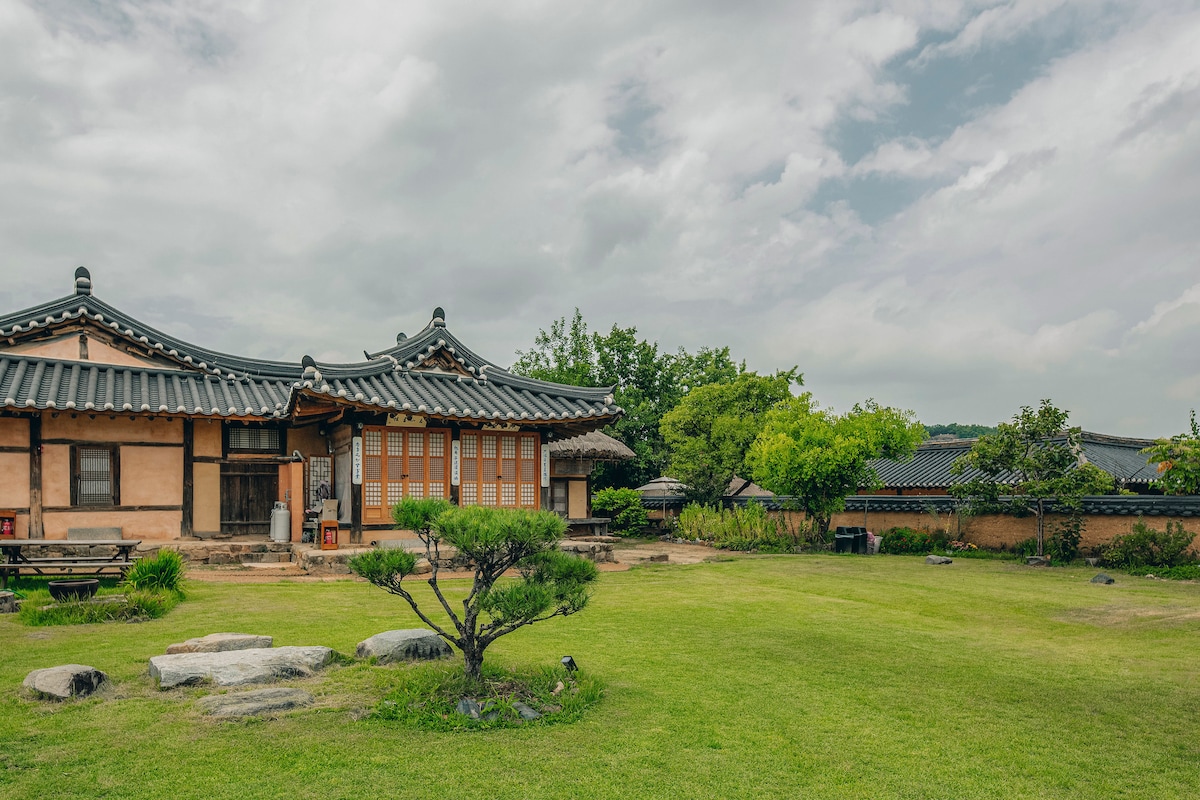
(405, 377)
(741, 487)
(930, 467)
(595, 445)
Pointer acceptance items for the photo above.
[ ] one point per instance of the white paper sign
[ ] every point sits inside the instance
(545, 465)
(455, 454)
(356, 467)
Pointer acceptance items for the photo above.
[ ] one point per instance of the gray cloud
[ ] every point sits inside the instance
(958, 206)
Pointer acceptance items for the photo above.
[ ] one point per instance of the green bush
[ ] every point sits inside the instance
(1184, 572)
(909, 541)
(748, 527)
(625, 507)
(162, 573)
(1147, 547)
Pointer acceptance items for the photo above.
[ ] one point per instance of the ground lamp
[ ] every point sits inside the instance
(569, 663)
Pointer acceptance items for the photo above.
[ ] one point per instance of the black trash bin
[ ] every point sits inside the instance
(843, 540)
(860, 540)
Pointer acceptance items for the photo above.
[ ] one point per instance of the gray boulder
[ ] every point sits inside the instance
(239, 667)
(414, 644)
(469, 708)
(526, 713)
(938, 560)
(1037, 561)
(8, 603)
(1102, 578)
(257, 703)
(64, 682)
(220, 642)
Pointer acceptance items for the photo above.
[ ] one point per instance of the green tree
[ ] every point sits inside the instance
(959, 430)
(819, 457)
(491, 541)
(1034, 461)
(647, 383)
(1178, 460)
(711, 430)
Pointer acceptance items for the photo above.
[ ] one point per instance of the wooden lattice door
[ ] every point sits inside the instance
(399, 463)
(500, 469)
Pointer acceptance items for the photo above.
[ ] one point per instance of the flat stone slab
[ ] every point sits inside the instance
(1103, 578)
(413, 644)
(220, 643)
(239, 667)
(256, 703)
(64, 682)
(938, 560)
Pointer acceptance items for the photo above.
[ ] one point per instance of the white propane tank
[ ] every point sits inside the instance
(281, 523)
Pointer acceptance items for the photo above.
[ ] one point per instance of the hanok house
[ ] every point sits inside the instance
(107, 422)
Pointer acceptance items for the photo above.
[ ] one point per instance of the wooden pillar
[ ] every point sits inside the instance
(356, 514)
(187, 526)
(36, 529)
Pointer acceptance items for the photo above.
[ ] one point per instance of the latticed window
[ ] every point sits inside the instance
(399, 464)
(253, 439)
(95, 476)
(500, 469)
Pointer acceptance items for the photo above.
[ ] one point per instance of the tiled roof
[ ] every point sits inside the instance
(213, 383)
(931, 466)
(44, 383)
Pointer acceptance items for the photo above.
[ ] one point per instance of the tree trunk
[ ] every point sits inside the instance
(473, 661)
(1041, 527)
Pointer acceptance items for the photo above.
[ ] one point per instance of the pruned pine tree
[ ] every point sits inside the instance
(491, 541)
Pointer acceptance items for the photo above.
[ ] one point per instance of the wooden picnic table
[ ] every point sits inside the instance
(20, 556)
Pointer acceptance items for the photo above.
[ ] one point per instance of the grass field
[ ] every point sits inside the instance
(774, 676)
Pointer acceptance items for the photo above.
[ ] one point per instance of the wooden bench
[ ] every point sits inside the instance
(18, 558)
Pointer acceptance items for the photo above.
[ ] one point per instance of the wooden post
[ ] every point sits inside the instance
(187, 525)
(356, 514)
(36, 529)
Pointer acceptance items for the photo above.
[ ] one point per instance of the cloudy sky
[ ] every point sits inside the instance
(953, 206)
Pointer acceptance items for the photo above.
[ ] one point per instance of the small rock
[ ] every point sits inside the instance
(558, 689)
(938, 560)
(527, 713)
(659, 558)
(255, 703)
(1037, 561)
(220, 643)
(1102, 578)
(8, 603)
(64, 682)
(468, 708)
(404, 645)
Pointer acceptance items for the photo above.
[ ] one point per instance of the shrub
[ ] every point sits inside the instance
(748, 527)
(162, 573)
(625, 507)
(1063, 546)
(1184, 572)
(907, 541)
(1147, 547)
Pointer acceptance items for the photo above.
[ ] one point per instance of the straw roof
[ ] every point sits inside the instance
(595, 445)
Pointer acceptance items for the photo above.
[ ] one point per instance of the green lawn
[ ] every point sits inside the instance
(785, 676)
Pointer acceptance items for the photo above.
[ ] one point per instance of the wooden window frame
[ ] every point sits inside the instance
(114, 477)
(228, 451)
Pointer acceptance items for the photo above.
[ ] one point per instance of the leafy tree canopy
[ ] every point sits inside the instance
(648, 383)
(819, 457)
(959, 430)
(711, 430)
(1032, 460)
(1178, 460)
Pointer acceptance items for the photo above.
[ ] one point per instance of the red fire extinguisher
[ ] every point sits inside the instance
(7, 529)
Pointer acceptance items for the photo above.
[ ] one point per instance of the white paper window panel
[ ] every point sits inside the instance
(372, 443)
(489, 494)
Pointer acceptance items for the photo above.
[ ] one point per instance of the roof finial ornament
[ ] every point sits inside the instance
(401, 336)
(439, 317)
(83, 281)
(308, 363)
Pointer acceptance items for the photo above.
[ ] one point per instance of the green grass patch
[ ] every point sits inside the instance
(760, 677)
(39, 609)
(428, 696)
(1183, 572)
